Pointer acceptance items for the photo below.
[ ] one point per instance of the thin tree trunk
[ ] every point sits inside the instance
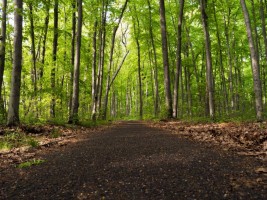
(263, 25)
(102, 38)
(222, 76)
(13, 108)
(255, 64)
(156, 104)
(33, 51)
(2, 53)
(209, 74)
(136, 26)
(72, 52)
(94, 78)
(105, 104)
(44, 40)
(226, 27)
(73, 118)
(178, 60)
(139, 79)
(167, 84)
(53, 70)
(256, 43)
(109, 84)
(263, 17)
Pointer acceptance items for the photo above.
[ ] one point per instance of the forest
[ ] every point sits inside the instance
(80, 60)
(133, 99)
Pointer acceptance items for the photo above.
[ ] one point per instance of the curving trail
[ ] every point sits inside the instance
(134, 161)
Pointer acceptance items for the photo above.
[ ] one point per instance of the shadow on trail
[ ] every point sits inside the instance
(133, 161)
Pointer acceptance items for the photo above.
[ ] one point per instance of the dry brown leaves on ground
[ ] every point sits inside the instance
(247, 138)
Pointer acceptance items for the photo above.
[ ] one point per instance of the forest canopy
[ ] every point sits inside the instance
(78, 60)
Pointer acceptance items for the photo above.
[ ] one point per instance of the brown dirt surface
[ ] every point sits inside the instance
(133, 160)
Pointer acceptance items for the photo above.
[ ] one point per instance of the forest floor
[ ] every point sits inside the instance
(139, 160)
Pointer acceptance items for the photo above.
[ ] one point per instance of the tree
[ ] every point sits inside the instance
(209, 73)
(13, 108)
(254, 63)
(2, 51)
(73, 28)
(178, 57)
(73, 118)
(108, 84)
(53, 70)
(156, 103)
(98, 76)
(167, 84)
(136, 27)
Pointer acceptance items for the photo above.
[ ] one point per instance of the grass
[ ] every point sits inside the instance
(4, 145)
(14, 140)
(31, 163)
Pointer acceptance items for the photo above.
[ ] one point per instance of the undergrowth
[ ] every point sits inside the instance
(30, 163)
(15, 139)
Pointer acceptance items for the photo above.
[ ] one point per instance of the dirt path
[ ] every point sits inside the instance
(133, 161)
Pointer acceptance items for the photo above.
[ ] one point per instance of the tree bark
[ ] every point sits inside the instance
(139, 77)
(221, 69)
(3, 43)
(178, 60)
(254, 63)
(53, 70)
(156, 103)
(73, 118)
(263, 25)
(167, 84)
(136, 27)
(102, 38)
(2, 53)
(33, 51)
(72, 52)
(94, 78)
(209, 73)
(45, 38)
(13, 108)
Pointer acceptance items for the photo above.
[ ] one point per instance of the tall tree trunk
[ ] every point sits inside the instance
(102, 38)
(156, 103)
(105, 104)
(222, 76)
(254, 62)
(178, 60)
(226, 30)
(73, 118)
(72, 52)
(53, 71)
(94, 78)
(263, 25)
(33, 51)
(13, 108)
(136, 26)
(139, 76)
(2, 53)
(209, 74)
(256, 43)
(167, 84)
(44, 39)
